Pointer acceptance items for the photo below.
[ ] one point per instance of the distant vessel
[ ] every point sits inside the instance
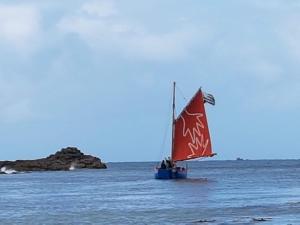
(190, 137)
(239, 159)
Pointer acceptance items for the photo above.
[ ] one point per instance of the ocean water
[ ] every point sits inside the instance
(216, 192)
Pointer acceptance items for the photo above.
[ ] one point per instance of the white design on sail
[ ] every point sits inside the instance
(197, 138)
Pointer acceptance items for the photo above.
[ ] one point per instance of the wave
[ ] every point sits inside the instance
(73, 166)
(7, 171)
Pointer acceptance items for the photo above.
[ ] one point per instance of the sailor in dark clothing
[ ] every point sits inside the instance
(169, 162)
(163, 165)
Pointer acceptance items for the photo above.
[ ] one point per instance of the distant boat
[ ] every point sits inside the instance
(190, 137)
(239, 159)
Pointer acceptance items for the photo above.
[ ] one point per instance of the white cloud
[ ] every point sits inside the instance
(102, 26)
(19, 24)
(289, 32)
(15, 104)
(275, 4)
(100, 8)
(173, 45)
(16, 112)
(265, 72)
(278, 98)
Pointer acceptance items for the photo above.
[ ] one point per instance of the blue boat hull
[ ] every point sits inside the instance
(171, 173)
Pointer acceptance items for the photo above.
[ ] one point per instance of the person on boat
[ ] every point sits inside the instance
(163, 165)
(169, 162)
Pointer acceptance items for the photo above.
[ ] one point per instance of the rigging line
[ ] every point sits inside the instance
(163, 144)
(181, 93)
(164, 139)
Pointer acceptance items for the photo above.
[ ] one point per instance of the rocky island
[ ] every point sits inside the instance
(66, 159)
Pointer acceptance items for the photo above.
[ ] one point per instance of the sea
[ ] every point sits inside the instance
(216, 192)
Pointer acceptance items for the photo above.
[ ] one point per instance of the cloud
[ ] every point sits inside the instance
(102, 26)
(15, 100)
(19, 24)
(169, 46)
(100, 8)
(289, 32)
(249, 47)
(16, 112)
(259, 55)
(275, 4)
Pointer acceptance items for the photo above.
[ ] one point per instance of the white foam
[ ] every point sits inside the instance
(72, 167)
(7, 171)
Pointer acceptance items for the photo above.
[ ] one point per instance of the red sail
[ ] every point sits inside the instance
(191, 135)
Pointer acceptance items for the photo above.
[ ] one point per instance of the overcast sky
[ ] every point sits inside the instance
(98, 75)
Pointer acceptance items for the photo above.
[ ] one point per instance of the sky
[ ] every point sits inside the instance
(98, 75)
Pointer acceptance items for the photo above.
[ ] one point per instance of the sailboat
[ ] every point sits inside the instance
(190, 136)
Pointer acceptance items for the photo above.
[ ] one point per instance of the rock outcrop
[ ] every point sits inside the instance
(65, 159)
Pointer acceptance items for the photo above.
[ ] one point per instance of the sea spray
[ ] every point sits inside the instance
(73, 166)
(7, 171)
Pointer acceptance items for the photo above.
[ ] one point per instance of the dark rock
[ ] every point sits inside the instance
(61, 160)
(204, 221)
(261, 219)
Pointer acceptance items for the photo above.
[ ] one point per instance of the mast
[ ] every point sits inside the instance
(173, 119)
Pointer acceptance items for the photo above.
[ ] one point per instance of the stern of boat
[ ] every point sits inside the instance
(171, 173)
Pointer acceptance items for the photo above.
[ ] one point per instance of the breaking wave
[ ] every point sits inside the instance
(7, 171)
(73, 166)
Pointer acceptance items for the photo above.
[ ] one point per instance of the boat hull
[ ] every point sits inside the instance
(171, 173)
